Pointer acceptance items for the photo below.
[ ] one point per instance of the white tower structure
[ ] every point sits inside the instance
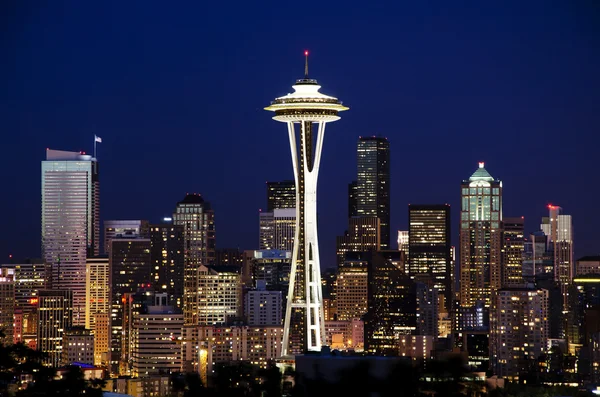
(304, 325)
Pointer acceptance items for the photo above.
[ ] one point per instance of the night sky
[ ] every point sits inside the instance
(176, 91)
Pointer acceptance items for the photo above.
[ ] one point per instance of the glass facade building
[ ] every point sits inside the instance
(281, 195)
(373, 183)
(70, 221)
(430, 248)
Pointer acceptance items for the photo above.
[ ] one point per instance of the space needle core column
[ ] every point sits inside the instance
(304, 327)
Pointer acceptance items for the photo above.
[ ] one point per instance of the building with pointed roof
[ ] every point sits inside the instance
(480, 238)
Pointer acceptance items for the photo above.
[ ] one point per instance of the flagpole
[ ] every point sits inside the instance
(94, 146)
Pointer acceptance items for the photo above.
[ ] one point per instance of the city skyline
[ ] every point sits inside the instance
(509, 128)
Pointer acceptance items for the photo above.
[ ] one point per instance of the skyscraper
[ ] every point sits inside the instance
(198, 221)
(304, 327)
(98, 306)
(352, 199)
(480, 238)
(430, 247)
(363, 235)
(130, 265)
(559, 228)
(277, 229)
(513, 251)
(167, 254)
(124, 229)
(281, 195)
(70, 221)
(373, 182)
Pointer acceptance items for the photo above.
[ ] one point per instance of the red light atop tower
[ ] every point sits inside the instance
(305, 53)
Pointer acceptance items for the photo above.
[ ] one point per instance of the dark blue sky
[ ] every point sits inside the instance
(176, 90)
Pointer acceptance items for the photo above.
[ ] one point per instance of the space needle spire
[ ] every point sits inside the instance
(304, 324)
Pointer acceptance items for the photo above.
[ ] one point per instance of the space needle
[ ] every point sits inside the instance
(304, 326)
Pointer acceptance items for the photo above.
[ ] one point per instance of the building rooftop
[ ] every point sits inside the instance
(192, 198)
(63, 155)
(481, 174)
(589, 258)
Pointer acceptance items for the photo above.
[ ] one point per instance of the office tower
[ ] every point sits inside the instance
(78, 346)
(588, 265)
(271, 266)
(351, 292)
(55, 316)
(427, 309)
(513, 251)
(403, 242)
(130, 265)
(30, 276)
(363, 235)
(70, 221)
(373, 182)
(98, 283)
(262, 307)
(167, 255)
(134, 303)
(277, 229)
(7, 304)
(304, 319)
(559, 229)
(480, 238)
(430, 245)
(154, 339)
(124, 229)
(352, 199)
(220, 289)
(281, 195)
(391, 303)
(522, 330)
(329, 286)
(229, 257)
(198, 221)
(538, 257)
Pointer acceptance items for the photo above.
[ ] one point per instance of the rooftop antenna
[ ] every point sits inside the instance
(306, 64)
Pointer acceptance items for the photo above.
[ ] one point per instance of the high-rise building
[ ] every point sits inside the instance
(78, 346)
(220, 294)
(281, 195)
(392, 306)
(427, 309)
(522, 330)
(98, 282)
(538, 257)
(130, 265)
(304, 327)
(363, 235)
(55, 316)
(480, 239)
(198, 221)
(513, 251)
(277, 229)
(559, 229)
(373, 182)
(30, 276)
(352, 199)
(167, 254)
(7, 304)
(70, 221)
(429, 248)
(403, 242)
(351, 291)
(124, 229)
(229, 257)
(262, 307)
(154, 339)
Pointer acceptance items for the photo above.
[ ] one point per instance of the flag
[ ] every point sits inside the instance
(97, 139)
